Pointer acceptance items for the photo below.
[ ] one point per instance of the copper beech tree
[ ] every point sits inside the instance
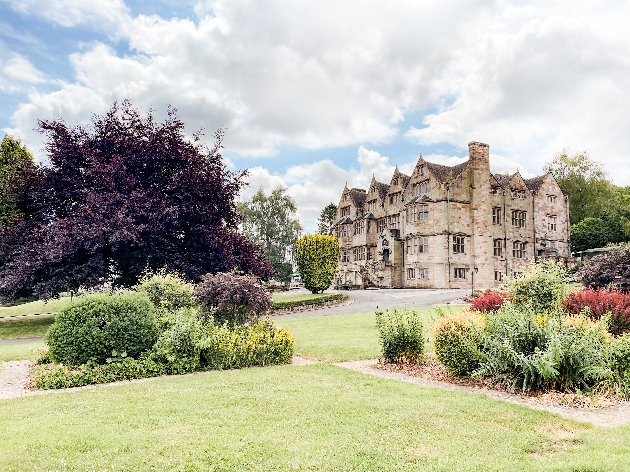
(121, 195)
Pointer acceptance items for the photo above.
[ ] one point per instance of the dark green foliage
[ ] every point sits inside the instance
(96, 326)
(326, 219)
(457, 340)
(316, 257)
(589, 233)
(401, 334)
(271, 223)
(540, 288)
(15, 165)
(284, 305)
(538, 352)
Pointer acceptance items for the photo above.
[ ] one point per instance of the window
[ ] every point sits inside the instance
(359, 227)
(519, 250)
(417, 213)
(552, 223)
(423, 273)
(345, 211)
(458, 244)
(517, 193)
(359, 253)
(460, 273)
(498, 276)
(368, 254)
(382, 224)
(495, 190)
(346, 231)
(423, 245)
(519, 218)
(394, 198)
(371, 205)
(421, 188)
(498, 247)
(369, 226)
(421, 170)
(551, 199)
(394, 182)
(345, 255)
(417, 245)
(411, 273)
(496, 216)
(394, 221)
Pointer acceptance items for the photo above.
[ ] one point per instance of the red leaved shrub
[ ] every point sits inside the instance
(489, 302)
(601, 302)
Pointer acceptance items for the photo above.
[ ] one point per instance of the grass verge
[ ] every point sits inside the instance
(339, 338)
(317, 417)
(32, 308)
(25, 327)
(19, 351)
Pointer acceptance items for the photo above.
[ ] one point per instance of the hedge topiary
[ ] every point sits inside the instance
(456, 343)
(98, 326)
(316, 257)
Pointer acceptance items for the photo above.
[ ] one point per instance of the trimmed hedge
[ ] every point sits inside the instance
(316, 257)
(285, 305)
(96, 326)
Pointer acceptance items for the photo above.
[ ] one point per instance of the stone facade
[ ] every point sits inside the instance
(441, 226)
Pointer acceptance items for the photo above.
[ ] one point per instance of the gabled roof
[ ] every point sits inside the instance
(358, 197)
(442, 173)
(503, 179)
(382, 189)
(369, 216)
(422, 198)
(534, 183)
(405, 179)
(344, 221)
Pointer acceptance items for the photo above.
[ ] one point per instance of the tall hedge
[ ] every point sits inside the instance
(316, 257)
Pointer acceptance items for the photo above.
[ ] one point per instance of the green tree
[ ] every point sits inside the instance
(15, 163)
(316, 257)
(584, 180)
(327, 219)
(270, 221)
(589, 233)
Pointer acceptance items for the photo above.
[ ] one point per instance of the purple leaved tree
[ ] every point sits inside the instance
(122, 195)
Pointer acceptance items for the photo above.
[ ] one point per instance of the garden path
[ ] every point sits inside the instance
(617, 415)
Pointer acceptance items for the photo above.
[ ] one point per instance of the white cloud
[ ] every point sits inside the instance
(17, 74)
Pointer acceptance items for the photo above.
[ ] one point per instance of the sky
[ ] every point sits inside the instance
(314, 94)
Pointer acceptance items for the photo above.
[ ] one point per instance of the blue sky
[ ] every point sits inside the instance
(318, 93)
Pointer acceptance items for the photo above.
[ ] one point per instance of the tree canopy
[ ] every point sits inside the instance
(591, 194)
(121, 195)
(326, 219)
(16, 163)
(270, 222)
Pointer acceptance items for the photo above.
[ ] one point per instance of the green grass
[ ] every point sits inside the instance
(317, 417)
(25, 327)
(52, 306)
(294, 297)
(19, 351)
(339, 338)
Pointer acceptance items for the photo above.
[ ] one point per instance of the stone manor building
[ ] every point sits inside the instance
(441, 226)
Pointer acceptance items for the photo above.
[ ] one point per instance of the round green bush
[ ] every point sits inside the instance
(456, 343)
(168, 292)
(96, 326)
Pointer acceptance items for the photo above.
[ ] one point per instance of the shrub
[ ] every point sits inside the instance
(167, 291)
(283, 305)
(232, 298)
(401, 334)
(316, 257)
(541, 287)
(489, 302)
(599, 303)
(611, 269)
(533, 352)
(259, 344)
(93, 327)
(589, 234)
(456, 341)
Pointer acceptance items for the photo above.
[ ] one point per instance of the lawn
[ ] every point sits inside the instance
(317, 417)
(31, 308)
(19, 351)
(338, 338)
(25, 327)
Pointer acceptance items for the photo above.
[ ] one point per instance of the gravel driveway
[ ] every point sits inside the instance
(368, 300)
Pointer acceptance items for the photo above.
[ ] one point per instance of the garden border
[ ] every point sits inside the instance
(348, 300)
